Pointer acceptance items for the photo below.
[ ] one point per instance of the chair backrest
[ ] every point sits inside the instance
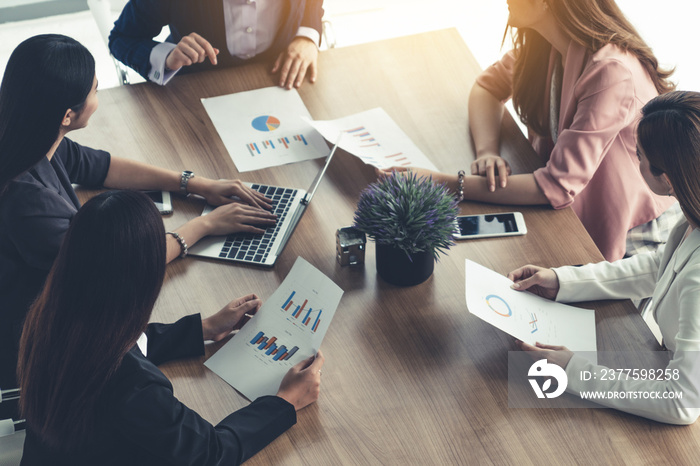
(9, 395)
(329, 38)
(11, 437)
(11, 447)
(104, 12)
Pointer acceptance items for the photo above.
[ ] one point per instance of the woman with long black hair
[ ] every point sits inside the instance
(49, 89)
(90, 395)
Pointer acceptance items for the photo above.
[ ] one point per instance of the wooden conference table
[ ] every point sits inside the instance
(410, 376)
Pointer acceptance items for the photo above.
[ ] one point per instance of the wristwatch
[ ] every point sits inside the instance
(184, 179)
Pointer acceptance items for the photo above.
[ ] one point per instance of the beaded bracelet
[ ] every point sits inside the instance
(181, 242)
(460, 191)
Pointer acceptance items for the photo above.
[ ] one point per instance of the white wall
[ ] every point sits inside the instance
(670, 31)
(669, 27)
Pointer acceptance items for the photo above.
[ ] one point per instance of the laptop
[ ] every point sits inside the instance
(288, 204)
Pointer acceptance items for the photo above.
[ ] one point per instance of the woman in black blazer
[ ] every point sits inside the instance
(49, 90)
(89, 394)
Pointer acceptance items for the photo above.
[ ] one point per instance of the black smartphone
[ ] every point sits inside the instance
(490, 225)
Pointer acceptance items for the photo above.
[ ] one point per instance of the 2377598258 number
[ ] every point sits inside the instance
(639, 374)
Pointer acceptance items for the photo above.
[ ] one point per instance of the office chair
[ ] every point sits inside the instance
(103, 12)
(11, 433)
(328, 34)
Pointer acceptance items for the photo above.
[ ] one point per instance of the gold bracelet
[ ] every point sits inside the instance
(181, 242)
(460, 191)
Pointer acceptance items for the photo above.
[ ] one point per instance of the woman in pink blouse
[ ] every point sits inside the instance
(578, 75)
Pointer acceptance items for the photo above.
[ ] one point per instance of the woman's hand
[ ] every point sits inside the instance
(235, 217)
(232, 317)
(301, 385)
(543, 282)
(224, 220)
(488, 165)
(559, 355)
(222, 192)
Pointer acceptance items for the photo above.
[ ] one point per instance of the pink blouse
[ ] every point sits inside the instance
(593, 167)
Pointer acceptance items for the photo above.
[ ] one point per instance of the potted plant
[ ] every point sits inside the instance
(411, 219)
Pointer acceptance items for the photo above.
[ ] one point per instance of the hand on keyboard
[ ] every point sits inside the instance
(237, 217)
(220, 192)
(254, 248)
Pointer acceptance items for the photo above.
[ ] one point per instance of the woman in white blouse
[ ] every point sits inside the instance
(668, 146)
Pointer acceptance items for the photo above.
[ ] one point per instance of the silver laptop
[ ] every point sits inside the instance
(288, 204)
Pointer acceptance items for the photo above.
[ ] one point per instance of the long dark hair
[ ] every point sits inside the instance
(669, 136)
(45, 76)
(590, 23)
(96, 302)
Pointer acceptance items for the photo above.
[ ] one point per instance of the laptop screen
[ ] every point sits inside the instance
(314, 184)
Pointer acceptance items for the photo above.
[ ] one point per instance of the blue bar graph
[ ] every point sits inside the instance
(315, 325)
(270, 348)
(268, 147)
(306, 317)
(284, 306)
(297, 310)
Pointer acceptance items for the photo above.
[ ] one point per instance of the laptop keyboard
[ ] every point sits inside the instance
(250, 247)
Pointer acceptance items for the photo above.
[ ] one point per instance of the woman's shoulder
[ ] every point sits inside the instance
(610, 67)
(26, 195)
(687, 263)
(135, 383)
(616, 58)
(68, 150)
(135, 369)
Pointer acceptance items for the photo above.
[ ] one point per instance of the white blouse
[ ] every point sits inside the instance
(672, 277)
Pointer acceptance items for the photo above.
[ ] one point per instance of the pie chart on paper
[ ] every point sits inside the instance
(266, 123)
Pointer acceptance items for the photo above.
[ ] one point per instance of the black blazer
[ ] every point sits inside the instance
(140, 422)
(131, 40)
(35, 212)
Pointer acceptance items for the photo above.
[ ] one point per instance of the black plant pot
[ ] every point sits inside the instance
(394, 266)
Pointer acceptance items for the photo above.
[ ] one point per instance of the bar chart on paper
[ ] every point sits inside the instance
(373, 137)
(364, 139)
(287, 329)
(295, 312)
(275, 145)
(270, 346)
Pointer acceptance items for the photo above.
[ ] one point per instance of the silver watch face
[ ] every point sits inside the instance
(184, 179)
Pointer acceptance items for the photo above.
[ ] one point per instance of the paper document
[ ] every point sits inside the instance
(526, 316)
(374, 138)
(263, 128)
(288, 328)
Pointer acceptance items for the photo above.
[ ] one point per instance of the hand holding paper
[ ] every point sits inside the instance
(555, 354)
(302, 383)
(538, 280)
(525, 316)
(285, 333)
(232, 317)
